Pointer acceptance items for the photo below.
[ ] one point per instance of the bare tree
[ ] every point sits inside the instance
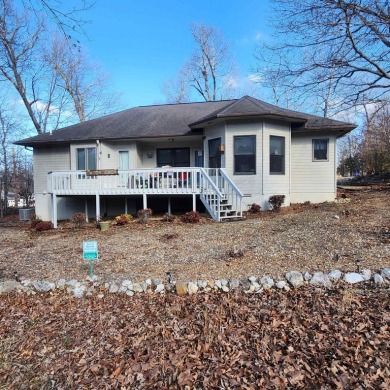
(375, 146)
(68, 17)
(347, 42)
(210, 71)
(83, 82)
(18, 52)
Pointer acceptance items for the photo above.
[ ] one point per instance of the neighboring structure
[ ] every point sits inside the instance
(226, 153)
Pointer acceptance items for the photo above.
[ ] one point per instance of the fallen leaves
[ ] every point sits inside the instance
(302, 339)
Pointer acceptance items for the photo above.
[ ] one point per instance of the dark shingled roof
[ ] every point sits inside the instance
(179, 120)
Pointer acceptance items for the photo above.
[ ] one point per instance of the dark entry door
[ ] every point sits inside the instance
(215, 153)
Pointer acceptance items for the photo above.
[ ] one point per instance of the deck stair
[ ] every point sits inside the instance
(221, 197)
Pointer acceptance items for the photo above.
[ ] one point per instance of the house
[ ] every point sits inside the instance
(227, 154)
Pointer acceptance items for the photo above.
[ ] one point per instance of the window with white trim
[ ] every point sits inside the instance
(86, 159)
(320, 149)
(276, 154)
(245, 155)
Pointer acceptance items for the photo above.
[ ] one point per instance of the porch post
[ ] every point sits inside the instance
(126, 206)
(193, 202)
(54, 210)
(86, 209)
(97, 207)
(145, 201)
(169, 205)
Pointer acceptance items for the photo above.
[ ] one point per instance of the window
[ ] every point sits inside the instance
(86, 159)
(320, 149)
(276, 151)
(215, 153)
(175, 157)
(245, 154)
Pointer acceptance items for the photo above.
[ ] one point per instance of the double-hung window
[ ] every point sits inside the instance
(86, 159)
(245, 155)
(320, 149)
(277, 157)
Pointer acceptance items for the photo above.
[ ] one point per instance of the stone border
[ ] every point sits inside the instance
(250, 285)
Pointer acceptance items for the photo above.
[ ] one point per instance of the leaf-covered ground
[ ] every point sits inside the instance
(306, 338)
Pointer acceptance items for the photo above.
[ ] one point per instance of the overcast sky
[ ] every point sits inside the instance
(140, 44)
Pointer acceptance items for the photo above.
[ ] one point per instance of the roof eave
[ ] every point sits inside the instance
(211, 120)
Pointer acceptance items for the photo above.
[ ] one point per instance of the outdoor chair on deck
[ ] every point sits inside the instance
(184, 179)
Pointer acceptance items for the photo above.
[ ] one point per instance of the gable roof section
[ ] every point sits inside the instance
(172, 120)
(251, 107)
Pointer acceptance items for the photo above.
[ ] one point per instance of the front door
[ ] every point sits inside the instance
(215, 153)
(123, 166)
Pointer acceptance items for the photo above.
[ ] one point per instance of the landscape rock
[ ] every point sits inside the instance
(159, 288)
(217, 283)
(307, 276)
(281, 284)
(128, 284)
(137, 287)
(225, 288)
(202, 284)
(252, 279)
(192, 288)
(295, 278)
(156, 282)
(181, 288)
(245, 283)
(366, 273)
(353, 277)
(129, 293)
(335, 275)
(234, 284)
(43, 286)
(61, 283)
(320, 279)
(78, 292)
(385, 273)
(71, 282)
(113, 288)
(224, 282)
(8, 286)
(254, 287)
(378, 279)
(100, 296)
(336, 217)
(267, 282)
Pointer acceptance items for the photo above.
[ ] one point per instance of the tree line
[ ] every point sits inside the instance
(328, 57)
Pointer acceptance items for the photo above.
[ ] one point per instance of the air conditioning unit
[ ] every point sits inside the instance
(25, 214)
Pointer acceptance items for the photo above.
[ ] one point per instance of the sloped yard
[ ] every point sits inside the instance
(301, 237)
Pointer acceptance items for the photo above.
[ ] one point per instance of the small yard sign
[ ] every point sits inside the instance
(90, 250)
(90, 253)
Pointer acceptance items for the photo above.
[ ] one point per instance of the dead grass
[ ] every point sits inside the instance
(301, 237)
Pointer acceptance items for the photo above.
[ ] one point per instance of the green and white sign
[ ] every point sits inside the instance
(90, 250)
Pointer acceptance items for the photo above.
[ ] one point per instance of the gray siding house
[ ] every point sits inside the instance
(226, 154)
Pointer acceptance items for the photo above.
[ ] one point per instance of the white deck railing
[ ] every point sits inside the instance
(133, 181)
(217, 191)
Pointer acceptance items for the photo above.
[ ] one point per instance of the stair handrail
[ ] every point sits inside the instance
(230, 181)
(213, 207)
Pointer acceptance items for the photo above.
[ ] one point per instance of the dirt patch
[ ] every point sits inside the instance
(302, 237)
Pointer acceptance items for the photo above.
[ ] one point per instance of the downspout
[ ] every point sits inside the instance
(99, 152)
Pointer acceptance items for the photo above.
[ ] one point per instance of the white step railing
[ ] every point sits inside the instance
(230, 193)
(210, 195)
